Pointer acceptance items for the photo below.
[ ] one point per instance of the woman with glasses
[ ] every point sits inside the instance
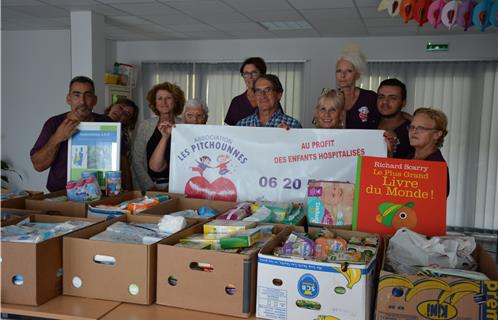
(125, 111)
(360, 104)
(329, 111)
(426, 133)
(153, 137)
(244, 105)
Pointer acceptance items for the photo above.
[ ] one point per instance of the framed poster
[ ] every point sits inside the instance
(94, 147)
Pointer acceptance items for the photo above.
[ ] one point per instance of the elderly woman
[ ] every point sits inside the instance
(360, 104)
(125, 111)
(330, 112)
(152, 140)
(195, 112)
(245, 104)
(426, 134)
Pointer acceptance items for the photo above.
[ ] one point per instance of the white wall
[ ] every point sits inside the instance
(321, 54)
(36, 69)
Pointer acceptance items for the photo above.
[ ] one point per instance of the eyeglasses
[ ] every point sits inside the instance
(420, 128)
(252, 74)
(265, 91)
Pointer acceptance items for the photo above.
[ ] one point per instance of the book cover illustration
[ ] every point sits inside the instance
(94, 147)
(395, 193)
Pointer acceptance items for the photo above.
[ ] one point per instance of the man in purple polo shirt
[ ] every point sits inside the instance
(50, 150)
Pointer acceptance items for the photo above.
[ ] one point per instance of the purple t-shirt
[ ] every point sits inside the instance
(57, 176)
(240, 107)
(437, 156)
(363, 114)
(403, 149)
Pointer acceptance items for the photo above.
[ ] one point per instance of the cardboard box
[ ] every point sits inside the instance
(39, 265)
(18, 203)
(64, 208)
(180, 204)
(131, 278)
(421, 297)
(228, 288)
(129, 195)
(304, 289)
(13, 216)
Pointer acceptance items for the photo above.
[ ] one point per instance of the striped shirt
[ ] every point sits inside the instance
(277, 118)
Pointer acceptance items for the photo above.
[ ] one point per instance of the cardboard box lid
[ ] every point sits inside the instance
(66, 208)
(20, 202)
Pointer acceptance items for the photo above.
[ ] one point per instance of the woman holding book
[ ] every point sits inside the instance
(426, 133)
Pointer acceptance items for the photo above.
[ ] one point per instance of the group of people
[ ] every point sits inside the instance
(348, 107)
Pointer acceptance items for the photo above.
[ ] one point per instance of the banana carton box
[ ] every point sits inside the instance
(305, 289)
(423, 297)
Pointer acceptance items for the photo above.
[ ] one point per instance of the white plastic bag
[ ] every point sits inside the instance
(408, 251)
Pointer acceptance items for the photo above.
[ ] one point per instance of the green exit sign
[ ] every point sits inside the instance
(436, 46)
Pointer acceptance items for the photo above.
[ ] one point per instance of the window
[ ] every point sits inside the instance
(218, 83)
(468, 93)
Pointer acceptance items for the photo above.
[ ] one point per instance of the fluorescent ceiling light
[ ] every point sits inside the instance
(286, 25)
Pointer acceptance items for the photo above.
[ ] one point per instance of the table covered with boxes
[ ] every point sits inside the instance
(359, 249)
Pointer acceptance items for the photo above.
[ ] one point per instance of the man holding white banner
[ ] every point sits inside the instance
(237, 163)
(268, 91)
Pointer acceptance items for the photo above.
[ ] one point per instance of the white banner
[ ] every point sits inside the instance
(248, 163)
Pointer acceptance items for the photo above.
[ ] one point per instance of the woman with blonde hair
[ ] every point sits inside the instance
(360, 104)
(329, 111)
(426, 134)
(153, 138)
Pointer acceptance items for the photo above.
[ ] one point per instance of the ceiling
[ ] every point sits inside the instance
(131, 20)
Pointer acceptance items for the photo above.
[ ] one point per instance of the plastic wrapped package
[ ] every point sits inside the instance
(34, 232)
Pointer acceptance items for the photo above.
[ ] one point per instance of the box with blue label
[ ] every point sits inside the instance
(330, 203)
(319, 284)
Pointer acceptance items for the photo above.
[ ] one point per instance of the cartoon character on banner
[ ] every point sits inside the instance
(202, 165)
(211, 183)
(223, 160)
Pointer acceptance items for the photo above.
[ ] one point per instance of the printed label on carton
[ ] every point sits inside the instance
(272, 303)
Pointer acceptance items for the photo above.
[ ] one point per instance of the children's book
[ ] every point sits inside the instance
(95, 147)
(395, 193)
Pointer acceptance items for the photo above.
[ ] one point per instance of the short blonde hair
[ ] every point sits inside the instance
(353, 55)
(338, 101)
(176, 91)
(439, 118)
